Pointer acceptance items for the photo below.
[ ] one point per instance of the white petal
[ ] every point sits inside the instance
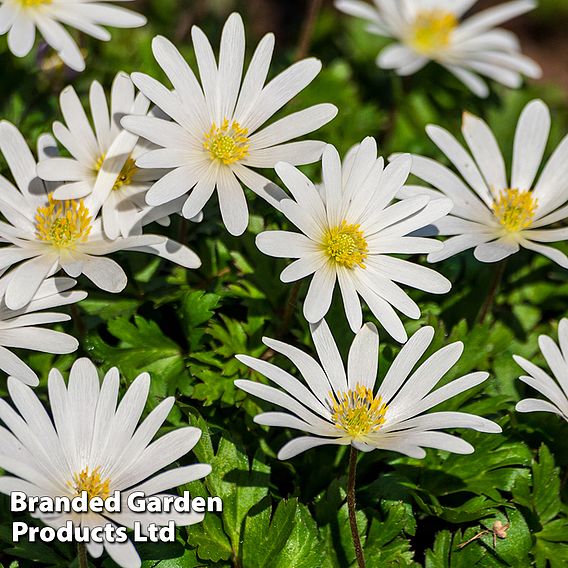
(400, 368)
(26, 279)
(284, 244)
(287, 382)
(280, 90)
(294, 125)
(496, 250)
(172, 251)
(550, 188)
(105, 273)
(536, 405)
(313, 374)
(461, 160)
(320, 294)
(232, 202)
(329, 356)
(21, 37)
(458, 244)
(299, 445)
(486, 152)
(350, 299)
(363, 360)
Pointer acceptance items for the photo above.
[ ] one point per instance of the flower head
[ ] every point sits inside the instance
(554, 389)
(336, 406)
(20, 328)
(434, 31)
(216, 136)
(493, 213)
(20, 18)
(92, 444)
(102, 165)
(349, 229)
(45, 235)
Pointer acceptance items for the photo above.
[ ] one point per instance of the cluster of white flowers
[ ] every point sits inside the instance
(142, 157)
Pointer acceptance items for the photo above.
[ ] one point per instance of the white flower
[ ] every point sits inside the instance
(103, 158)
(20, 18)
(19, 328)
(556, 391)
(350, 229)
(341, 408)
(45, 235)
(491, 213)
(214, 139)
(430, 30)
(93, 445)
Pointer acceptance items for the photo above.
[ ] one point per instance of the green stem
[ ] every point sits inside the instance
(352, 510)
(82, 555)
(493, 289)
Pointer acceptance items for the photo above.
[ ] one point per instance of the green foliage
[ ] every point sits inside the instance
(185, 328)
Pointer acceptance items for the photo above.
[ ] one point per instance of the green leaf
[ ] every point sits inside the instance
(197, 308)
(546, 486)
(240, 484)
(290, 538)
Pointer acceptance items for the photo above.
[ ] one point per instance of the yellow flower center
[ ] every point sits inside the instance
(228, 143)
(346, 245)
(63, 223)
(357, 412)
(432, 30)
(515, 209)
(91, 483)
(35, 2)
(126, 174)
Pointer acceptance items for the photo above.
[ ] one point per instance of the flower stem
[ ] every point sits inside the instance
(290, 307)
(82, 555)
(493, 289)
(351, 506)
(308, 29)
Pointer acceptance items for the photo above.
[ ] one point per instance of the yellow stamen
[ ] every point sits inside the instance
(357, 412)
(346, 245)
(63, 223)
(432, 31)
(126, 174)
(91, 483)
(515, 209)
(35, 2)
(228, 143)
(99, 164)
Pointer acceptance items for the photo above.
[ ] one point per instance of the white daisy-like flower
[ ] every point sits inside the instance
(349, 232)
(214, 140)
(20, 18)
(339, 407)
(19, 328)
(92, 444)
(103, 158)
(431, 30)
(491, 213)
(554, 389)
(46, 235)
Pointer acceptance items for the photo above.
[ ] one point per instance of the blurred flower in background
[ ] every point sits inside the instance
(20, 18)
(431, 31)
